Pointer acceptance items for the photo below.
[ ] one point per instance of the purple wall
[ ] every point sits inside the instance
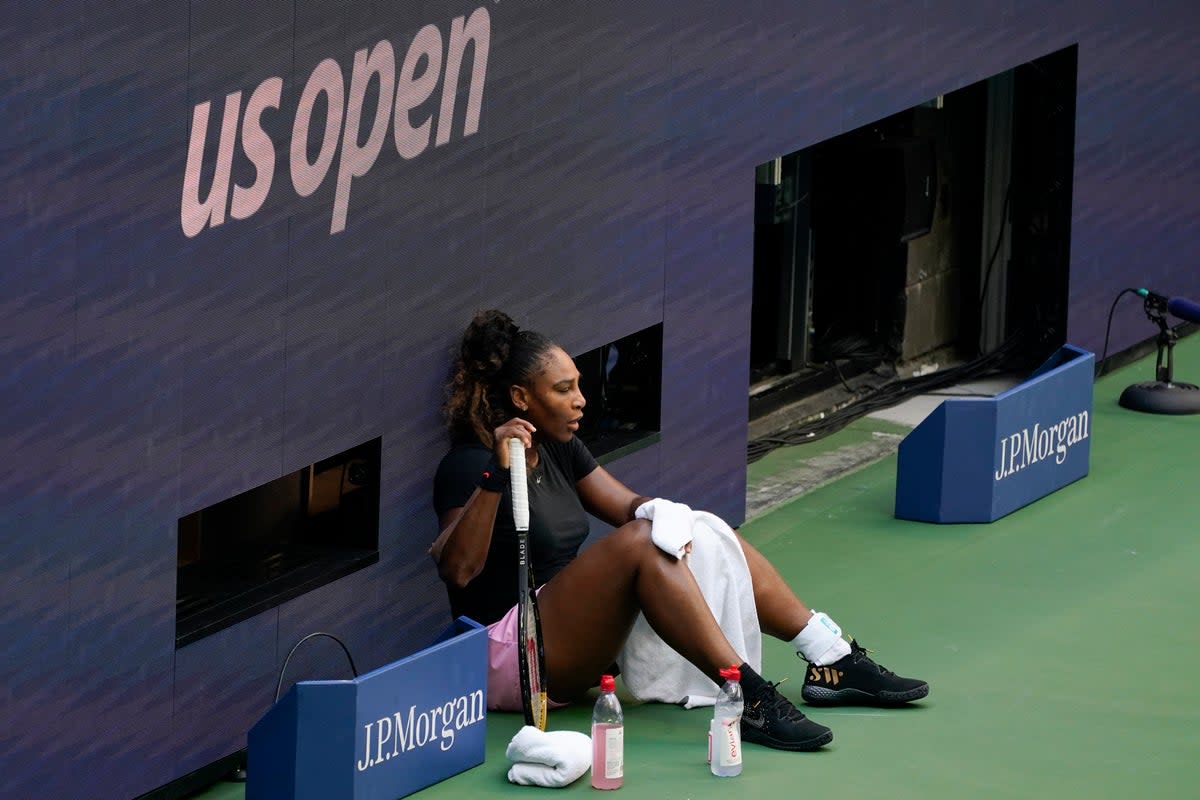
(608, 187)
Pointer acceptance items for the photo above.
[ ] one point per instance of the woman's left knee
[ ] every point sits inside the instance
(633, 536)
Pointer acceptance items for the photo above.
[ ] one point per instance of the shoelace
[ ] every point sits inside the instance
(858, 653)
(769, 698)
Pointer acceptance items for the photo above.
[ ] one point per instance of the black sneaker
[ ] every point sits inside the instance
(857, 680)
(770, 719)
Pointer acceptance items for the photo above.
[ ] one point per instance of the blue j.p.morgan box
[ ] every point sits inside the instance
(975, 459)
(380, 736)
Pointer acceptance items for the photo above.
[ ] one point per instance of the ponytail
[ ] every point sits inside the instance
(494, 355)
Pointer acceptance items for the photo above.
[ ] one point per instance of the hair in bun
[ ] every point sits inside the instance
(495, 354)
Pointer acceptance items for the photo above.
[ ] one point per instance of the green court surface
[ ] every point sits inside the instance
(1060, 641)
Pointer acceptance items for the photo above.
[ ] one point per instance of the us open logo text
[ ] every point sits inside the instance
(432, 61)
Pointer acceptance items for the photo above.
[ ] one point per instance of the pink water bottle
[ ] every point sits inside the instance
(608, 738)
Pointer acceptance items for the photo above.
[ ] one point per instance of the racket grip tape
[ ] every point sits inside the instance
(519, 485)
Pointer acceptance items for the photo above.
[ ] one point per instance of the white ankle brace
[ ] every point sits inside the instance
(821, 641)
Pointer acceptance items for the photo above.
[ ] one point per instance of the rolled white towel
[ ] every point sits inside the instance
(670, 524)
(698, 701)
(548, 758)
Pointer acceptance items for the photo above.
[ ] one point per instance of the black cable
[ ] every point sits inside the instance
(283, 669)
(841, 377)
(1108, 328)
(987, 272)
(886, 396)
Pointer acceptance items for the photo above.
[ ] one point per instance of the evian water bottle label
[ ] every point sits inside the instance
(725, 743)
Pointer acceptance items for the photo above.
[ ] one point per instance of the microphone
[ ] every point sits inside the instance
(1180, 307)
(1164, 395)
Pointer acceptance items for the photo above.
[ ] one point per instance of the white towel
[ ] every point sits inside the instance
(671, 527)
(548, 758)
(655, 672)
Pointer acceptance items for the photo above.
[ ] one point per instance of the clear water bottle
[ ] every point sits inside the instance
(608, 738)
(725, 732)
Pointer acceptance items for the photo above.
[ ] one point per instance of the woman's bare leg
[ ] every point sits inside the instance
(780, 612)
(589, 608)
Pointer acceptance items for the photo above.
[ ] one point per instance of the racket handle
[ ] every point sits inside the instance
(520, 488)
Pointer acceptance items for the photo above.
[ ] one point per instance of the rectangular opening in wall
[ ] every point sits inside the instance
(254, 551)
(622, 381)
(931, 238)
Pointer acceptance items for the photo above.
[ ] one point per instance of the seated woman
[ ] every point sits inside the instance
(511, 382)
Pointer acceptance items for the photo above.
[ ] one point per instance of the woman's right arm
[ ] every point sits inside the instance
(461, 549)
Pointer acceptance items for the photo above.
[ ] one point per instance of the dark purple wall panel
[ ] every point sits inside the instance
(609, 187)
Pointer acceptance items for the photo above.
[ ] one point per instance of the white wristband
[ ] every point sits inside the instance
(821, 640)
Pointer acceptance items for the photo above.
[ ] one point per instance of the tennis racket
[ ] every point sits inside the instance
(532, 658)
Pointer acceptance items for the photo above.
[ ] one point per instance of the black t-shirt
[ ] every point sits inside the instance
(558, 523)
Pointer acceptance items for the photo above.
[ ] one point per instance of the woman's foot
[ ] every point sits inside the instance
(770, 719)
(857, 680)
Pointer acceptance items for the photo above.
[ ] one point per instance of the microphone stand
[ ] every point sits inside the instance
(1163, 395)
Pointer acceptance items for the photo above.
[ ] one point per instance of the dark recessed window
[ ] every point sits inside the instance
(622, 382)
(251, 552)
(920, 241)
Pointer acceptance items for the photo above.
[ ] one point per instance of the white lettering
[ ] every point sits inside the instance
(382, 737)
(447, 728)
(477, 711)
(423, 728)
(1060, 450)
(478, 31)
(407, 740)
(413, 89)
(1014, 442)
(409, 731)
(258, 148)
(400, 95)
(196, 213)
(1031, 445)
(366, 760)
(325, 79)
(357, 161)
